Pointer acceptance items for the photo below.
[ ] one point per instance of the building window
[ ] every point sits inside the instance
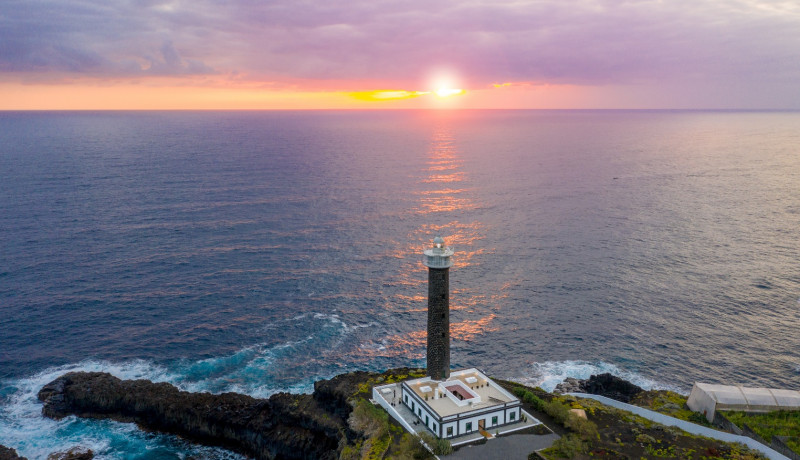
(412, 406)
(512, 416)
(449, 431)
(494, 420)
(406, 398)
(434, 428)
(469, 426)
(426, 420)
(419, 411)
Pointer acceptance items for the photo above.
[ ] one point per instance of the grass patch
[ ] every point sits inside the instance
(777, 423)
(668, 403)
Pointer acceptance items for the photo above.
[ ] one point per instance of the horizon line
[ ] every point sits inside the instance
(418, 109)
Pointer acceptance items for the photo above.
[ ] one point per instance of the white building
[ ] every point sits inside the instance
(465, 402)
(707, 399)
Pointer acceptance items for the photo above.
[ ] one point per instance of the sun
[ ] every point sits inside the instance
(447, 92)
(444, 83)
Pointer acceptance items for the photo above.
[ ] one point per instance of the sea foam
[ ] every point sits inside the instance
(548, 374)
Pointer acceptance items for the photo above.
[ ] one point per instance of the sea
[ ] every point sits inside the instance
(259, 251)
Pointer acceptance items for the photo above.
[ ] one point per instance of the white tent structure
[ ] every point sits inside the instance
(707, 398)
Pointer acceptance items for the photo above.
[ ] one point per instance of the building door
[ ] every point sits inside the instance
(482, 424)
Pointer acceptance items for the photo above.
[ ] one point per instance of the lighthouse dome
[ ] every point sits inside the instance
(437, 256)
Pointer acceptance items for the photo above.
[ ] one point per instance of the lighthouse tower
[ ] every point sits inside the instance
(438, 261)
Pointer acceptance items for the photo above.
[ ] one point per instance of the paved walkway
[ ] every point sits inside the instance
(511, 447)
(689, 427)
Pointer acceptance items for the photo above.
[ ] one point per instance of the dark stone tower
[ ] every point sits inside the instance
(438, 261)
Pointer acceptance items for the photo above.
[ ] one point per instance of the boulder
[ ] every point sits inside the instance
(606, 385)
(76, 453)
(7, 453)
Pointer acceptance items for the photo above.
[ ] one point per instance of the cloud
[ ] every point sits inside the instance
(101, 39)
(746, 44)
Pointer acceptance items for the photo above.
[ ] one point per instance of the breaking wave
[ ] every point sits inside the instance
(550, 373)
(256, 370)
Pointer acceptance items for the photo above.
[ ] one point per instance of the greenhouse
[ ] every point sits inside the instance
(707, 399)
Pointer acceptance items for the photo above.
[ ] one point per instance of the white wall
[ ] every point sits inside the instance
(377, 396)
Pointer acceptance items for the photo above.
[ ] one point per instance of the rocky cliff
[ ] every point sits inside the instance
(285, 426)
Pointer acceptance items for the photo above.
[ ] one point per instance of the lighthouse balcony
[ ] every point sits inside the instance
(437, 261)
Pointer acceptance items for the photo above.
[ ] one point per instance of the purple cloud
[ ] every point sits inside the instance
(747, 44)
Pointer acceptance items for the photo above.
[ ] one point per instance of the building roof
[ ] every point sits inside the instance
(710, 397)
(463, 391)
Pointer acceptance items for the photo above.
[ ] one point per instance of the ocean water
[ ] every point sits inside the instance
(260, 251)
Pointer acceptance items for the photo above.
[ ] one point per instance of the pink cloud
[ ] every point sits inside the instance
(751, 46)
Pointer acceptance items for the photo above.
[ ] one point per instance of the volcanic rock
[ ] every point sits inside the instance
(7, 453)
(606, 385)
(285, 426)
(76, 453)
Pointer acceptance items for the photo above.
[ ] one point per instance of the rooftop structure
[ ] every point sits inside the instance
(467, 401)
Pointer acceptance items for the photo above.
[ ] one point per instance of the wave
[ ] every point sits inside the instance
(23, 428)
(548, 374)
(258, 370)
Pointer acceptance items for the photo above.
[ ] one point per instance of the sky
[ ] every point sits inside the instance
(376, 54)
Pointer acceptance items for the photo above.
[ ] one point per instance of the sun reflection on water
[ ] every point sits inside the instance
(445, 198)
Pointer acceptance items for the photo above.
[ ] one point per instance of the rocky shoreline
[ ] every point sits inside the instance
(606, 385)
(285, 426)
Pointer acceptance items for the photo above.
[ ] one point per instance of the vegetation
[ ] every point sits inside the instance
(439, 446)
(568, 446)
(381, 437)
(793, 443)
(611, 433)
(604, 432)
(529, 397)
(767, 425)
(390, 376)
(669, 403)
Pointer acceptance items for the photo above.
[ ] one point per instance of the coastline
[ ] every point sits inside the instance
(290, 426)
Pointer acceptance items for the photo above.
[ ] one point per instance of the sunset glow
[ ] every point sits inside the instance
(447, 92)
(283, 55)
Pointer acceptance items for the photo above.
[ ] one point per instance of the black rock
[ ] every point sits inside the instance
(606, 385)
(7, 453)
(285, 426)
(76, 453)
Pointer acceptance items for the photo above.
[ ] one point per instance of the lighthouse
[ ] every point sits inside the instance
(438, 261)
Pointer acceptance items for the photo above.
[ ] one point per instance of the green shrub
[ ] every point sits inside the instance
(409, 448)
(528, 397)
(440, 446)
(558, 411)
(371, 420)
(698, 418)
(568, 446)
(584, 428)
(378, 448)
